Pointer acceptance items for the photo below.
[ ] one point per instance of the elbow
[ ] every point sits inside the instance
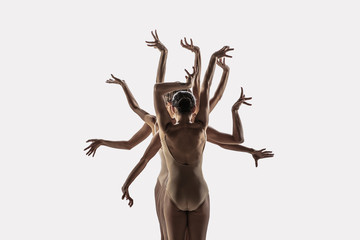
(156, 89)
(129, 146)
(239, 140)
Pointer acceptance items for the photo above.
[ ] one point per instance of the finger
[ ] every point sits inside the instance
(87, 148)
(114, 77)
(89, 152)
(228, 56)
(186, 42)
(249, 104)
(256, 163)
(229, 49)
(157, 37)
(224, 48)
(262, 149)
(94, 153)
(123, 196)
(267, 152)
(191, 41)
(181, 43)
(242, 92)
(187, 72)
(152, 33)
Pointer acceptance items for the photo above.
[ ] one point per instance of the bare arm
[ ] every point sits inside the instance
(237, 135)
(149, 153)
(197, 64)
(203, 114)
(223, 81)
(145, 116)
(162, 62)
(160, 89)
(256, 154)
(139, 136)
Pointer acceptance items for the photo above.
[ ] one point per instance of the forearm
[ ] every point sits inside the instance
(138, 137)
(163, 88)
(116, 144)
(238, 148)
(209, 74)
(161, 67)
(220, 89)
(130, 97)
(151, 150)
(196, 87)
(135, 172)
(238, 133)
(203, 113)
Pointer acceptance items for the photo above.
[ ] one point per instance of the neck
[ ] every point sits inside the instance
(183, 119)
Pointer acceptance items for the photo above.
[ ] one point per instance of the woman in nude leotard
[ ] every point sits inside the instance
(150, 123)
(186, 202)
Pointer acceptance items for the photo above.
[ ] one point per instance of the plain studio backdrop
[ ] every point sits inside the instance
(299, 60)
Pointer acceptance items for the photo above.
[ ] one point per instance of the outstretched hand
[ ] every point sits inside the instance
(241, 100)
(190, 46)
(156, 43)
(258, 154)
(222, 52)
(126, 195)
(115, 80)
(95, 143)
(221, 63)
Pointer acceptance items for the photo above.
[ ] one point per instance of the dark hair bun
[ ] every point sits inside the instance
(183, 101)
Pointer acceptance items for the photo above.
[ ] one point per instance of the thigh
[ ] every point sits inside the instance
(159, 209)
(198, 221)
(176, 220)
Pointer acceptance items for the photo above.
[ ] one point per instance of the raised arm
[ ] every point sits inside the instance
(145, 116)
(162, 62)
(139, 136)
(203, 113)
(149, 153)
(197, 64)
(222, 85)
(237, 135)
(160, 89)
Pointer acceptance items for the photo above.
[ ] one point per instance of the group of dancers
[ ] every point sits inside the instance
(180, 130)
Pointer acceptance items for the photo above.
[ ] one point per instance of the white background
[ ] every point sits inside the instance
(299, 60)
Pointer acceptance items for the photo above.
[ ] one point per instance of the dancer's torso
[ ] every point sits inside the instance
(186, 185)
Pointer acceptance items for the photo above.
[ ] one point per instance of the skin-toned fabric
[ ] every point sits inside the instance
(186, 185)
